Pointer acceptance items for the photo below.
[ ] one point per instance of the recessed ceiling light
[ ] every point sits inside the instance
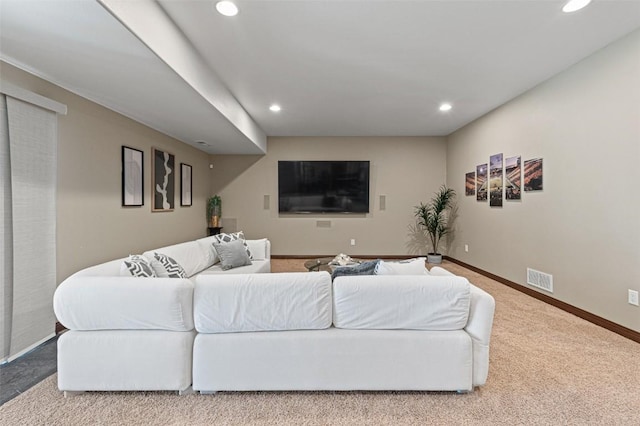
(445, 107)
(202, 143)
(227, 8)
(574, 5)
(275, 108)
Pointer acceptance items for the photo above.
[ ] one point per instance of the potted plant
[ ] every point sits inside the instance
(214, 211)
(434, 218)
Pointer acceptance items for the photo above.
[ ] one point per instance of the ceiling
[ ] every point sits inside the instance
(336, 67)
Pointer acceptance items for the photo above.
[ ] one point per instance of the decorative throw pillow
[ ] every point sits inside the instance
(227, 238)
(365, 268)
(166, 267)
(136, 266)
(232, 254)
(404, 267)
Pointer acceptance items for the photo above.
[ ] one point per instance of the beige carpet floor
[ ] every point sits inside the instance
(547, 367)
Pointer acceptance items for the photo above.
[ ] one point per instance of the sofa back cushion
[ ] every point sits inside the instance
(414, 266)
(418, 302)
(259, 249)
(206, 244)
(113, 268)
(262, 302)
(124, 303)
(189, 255)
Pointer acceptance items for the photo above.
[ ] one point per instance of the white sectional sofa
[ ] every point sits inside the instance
(272, 331)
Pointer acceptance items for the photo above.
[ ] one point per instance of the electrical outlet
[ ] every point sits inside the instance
(633, 297)
(353, 241)
(466, 248)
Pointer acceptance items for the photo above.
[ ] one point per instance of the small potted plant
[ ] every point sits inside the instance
(214, 211)
(434, 218)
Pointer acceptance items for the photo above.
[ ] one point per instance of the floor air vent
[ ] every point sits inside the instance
(540, 280)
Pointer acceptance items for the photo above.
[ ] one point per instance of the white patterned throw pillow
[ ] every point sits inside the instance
(137, 266)
(166, 266)
(227, 238)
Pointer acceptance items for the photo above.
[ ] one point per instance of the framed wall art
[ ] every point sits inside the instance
(132, 177)
(163, 181)
(186, 183)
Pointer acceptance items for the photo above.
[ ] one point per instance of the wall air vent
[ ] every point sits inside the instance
(540, 280)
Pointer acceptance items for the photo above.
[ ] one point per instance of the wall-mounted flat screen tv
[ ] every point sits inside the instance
(323, 186)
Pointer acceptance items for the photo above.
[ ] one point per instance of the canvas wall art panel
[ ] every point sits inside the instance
(495, 180)
(163, 181)
(533, 175)
(513, 178)
(470, 183)
(481, 182)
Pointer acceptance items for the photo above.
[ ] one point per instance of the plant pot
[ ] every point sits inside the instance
(434, 258)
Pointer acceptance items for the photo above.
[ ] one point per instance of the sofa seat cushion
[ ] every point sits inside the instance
(256, 267)
(334, 359)
(262, 302)
(401, 302)
(125, 360)
(125, 303)
(190, 256)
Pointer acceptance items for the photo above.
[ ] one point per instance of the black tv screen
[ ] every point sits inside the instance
(323, 186)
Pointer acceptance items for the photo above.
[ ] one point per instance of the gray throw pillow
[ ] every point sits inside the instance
(365, 268)
(232, 254)
(225, 238)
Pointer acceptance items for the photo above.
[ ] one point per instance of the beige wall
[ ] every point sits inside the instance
(91, 224)
(406, 170)
(584, 227)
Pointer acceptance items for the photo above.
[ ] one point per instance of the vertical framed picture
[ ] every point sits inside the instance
(132, 177)
(163, 178)
(186, 182)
